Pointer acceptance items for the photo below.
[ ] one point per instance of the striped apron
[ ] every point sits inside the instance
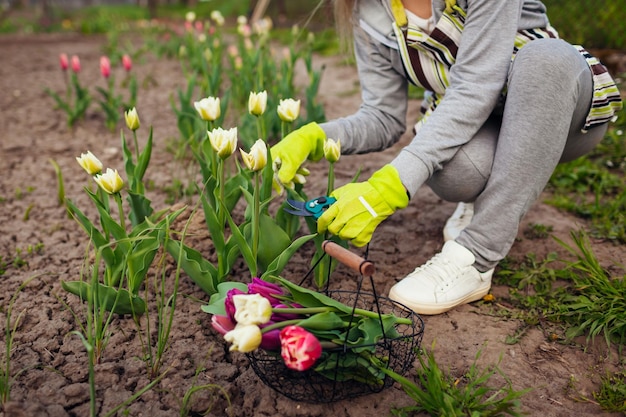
(427, 59)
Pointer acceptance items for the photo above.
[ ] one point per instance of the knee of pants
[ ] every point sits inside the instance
(459, 179)
(464, 176)
(555, 58)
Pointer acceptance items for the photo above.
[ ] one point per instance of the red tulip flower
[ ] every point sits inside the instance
(127, 63)
(64, 62)
(105, 66)
(75, 63)
(299, 348)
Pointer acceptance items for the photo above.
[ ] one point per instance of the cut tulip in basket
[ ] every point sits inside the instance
(318, 346)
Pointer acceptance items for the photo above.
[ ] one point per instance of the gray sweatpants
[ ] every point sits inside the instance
(505, 167)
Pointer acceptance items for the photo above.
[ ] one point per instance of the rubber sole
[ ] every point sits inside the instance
(434, 309)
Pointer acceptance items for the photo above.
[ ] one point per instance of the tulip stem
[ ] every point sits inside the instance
(118, 199)
(136, 145)
(257, 213)
(316, 310)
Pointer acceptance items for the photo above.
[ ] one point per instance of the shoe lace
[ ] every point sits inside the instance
(440, 270)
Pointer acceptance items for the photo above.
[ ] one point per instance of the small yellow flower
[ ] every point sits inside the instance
(489, 298)
(208, 108)
(288, 109)
(257, 102)
(332, 150)
(132, 119)
(224, 142)
(110, 181)
(90, 163)
(257, 158)
(244, 338)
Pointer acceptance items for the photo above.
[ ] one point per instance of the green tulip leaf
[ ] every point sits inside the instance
(322, 321)
(140, 208)
(199, 270)
(216, 301)
(140, 258)
(272, 241)
(115, 300)
(279, 262)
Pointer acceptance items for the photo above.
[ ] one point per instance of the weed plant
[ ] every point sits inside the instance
(10, 329)
(597, 305)
(612, 393)
(439, 393)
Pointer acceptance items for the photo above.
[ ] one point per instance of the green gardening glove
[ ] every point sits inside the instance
(361, 207)
(294, 149)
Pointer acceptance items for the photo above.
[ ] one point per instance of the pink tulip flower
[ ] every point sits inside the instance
(127, 63)
(222, 324)
(64, 62)
(75, 63)
(299, 348)
(105, 66)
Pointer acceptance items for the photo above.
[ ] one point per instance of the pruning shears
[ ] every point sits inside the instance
(314, 207)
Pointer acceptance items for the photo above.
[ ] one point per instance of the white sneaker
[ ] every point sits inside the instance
(459, 220)
(447, 280)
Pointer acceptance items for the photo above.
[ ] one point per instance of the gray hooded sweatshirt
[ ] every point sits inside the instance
(476, 81)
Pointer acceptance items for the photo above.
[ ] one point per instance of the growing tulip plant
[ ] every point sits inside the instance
(77, 98)
(265, 242)
(126, 250)
(111, 102)
(307, 329)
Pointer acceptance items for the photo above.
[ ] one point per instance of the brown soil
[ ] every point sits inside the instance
(49, 363)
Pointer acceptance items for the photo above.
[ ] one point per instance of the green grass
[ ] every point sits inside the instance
(473, 393)
(612, 393)
(592, 23)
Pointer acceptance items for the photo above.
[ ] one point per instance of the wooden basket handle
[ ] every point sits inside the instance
(349, 259)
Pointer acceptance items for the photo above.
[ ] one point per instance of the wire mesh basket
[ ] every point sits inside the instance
(396, 353)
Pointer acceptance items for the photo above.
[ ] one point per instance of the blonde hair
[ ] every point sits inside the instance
(343, 21)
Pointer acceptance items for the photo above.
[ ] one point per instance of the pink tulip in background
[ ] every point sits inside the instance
(75, 63)
(105, 66)
(64, 62)
(299, 348)
(127, 63)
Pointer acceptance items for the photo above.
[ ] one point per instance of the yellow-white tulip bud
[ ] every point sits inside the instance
(252, 309)
(244, 338)
(90, 163)
(224, 142)
(208, 108)
(332, 150)
(217, 17)
(257, 158)
(132, 119)
(257, 102)
(190, 16)
(110, 181)
(288, 109)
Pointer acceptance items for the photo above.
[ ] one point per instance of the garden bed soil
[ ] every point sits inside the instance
(49, 362)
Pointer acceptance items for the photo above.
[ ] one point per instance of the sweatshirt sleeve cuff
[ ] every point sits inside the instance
(412, 170)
